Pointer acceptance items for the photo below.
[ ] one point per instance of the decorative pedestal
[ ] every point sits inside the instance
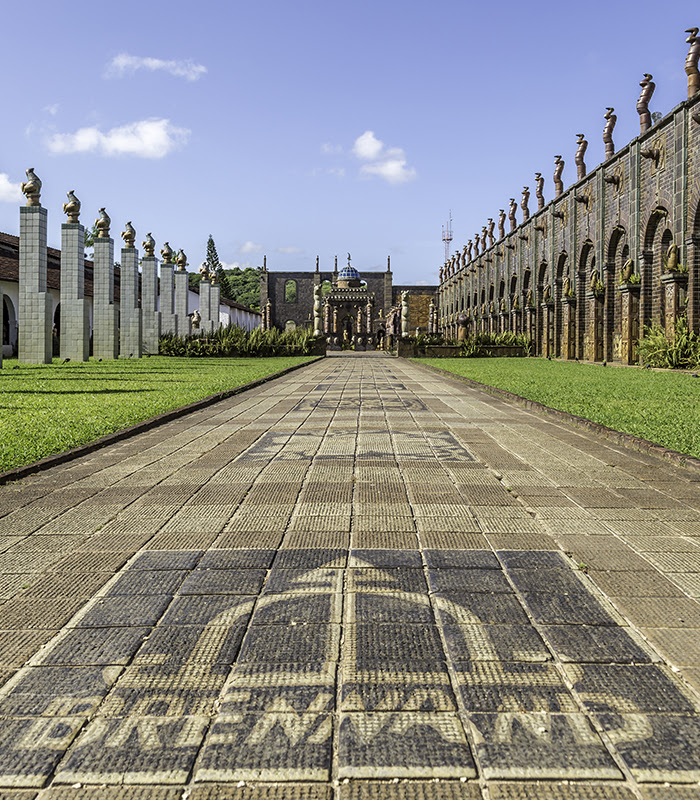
(593, 344)
(214, 302)
(515, 320)
(205, 324)
(675, 292)
(75, 309)
(568, 328)
(630, 322)
(130, 333)
(150, 316)
(35, 310)
(547, 310)
(530, 323)
(184, 323)
(168, 318)
(105, 319)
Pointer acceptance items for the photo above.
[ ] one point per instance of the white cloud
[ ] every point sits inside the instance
(52, 109)
(9, 192)
(250, 247)
(124, 64)
(387, 163)
(367, 147)
(289, 250)
(148, 138)
(329, 149)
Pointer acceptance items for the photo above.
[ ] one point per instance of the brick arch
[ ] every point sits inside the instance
(616, 257)
(651, 265)
(562, 268)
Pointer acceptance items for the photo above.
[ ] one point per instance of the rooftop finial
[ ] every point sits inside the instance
(72, 208)
(31, 188)
(648, 87)
(691, 62)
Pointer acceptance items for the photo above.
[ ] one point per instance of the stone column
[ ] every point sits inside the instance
(630, 322)
(105, 319)
(530, 324)
(594, 335)
(130, 333)
(547, 329)
(675, 286)
(150, 316)
(35, 311)
(214, 302)
(568, 334)
(168, 319)
(205, 306)
(515, 320)
(182, 286)
(75, 309)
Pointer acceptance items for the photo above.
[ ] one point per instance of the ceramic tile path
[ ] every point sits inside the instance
(364, 581)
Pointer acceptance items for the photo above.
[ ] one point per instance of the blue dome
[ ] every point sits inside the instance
(348, 274)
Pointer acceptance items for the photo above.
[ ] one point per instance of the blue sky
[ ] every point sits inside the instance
(301, 128)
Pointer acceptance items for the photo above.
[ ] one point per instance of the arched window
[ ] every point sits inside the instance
(290, 292)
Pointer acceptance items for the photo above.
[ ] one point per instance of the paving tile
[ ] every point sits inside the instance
(468, 580)
(493, 686)
(385, 558)
(600, 644)
(412, 790)
(680, 612)
(272, 747)
(297, 609)
(236, 559)
(480, 608)
(166, 559)
(124, 611)
(495, 643)
(130, 750)
(147, 792)
(30, 748)
(578, 607)
(558, 791)
(656, 747)
(213, 610)
(94, 646)
(223, 581)
(461, 559)
(294, 644)
(368, 644)
(262, 791)
(388, 607)
(404, 744)
(146, 582)
(20, 645)
(57, 691)
(540, 745)
(676, 644)
(630, 688)
(386, 580)
(634, 584)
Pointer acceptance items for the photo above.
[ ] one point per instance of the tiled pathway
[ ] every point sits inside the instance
(363, 580)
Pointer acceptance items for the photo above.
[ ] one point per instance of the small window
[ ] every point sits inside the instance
(290, 325)
(290, 292)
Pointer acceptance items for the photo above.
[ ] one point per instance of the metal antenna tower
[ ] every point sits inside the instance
(447, 237)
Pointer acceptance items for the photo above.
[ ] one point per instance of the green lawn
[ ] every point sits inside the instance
(663, 407)
(49, 409)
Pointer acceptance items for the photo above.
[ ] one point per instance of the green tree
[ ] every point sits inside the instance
(215, 267)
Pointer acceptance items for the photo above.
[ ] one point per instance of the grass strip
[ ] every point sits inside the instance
(47, 409)
(663, 407)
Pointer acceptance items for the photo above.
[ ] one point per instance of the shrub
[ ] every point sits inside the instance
(680, 352)
(232, 341)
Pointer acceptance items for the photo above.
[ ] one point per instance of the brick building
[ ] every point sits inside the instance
(588, 272)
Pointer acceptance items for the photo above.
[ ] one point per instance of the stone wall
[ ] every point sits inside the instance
(557, 276)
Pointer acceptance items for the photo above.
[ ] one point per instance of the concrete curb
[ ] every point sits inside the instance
(140, 427)
(625, 439)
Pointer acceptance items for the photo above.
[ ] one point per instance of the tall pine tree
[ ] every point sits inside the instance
(214, 266)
